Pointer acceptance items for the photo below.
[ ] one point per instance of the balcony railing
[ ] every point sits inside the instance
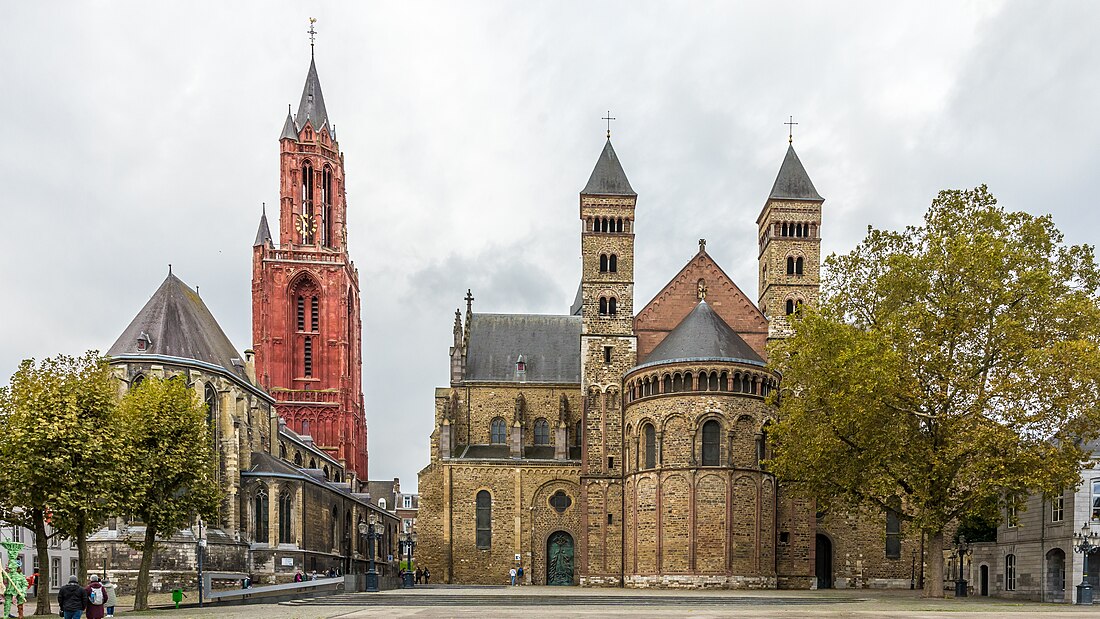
(307, 397)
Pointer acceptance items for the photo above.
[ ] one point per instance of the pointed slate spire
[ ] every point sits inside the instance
(263, 233)
(312, 105)
(793, 183)
(608, 178)
(290, 130)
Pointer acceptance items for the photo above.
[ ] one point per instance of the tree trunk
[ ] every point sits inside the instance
(82, 553)
(42, 549)
(933, 578)
(141, 595)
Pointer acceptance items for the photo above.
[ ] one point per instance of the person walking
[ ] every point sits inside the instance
(71, 599)
(96, 605)
(512, 575)
(298, 576)
(419, 574)
(112, 596)
(427, 575)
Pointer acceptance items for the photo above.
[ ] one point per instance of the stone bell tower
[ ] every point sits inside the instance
(608, 349)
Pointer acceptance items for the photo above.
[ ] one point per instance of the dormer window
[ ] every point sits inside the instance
(521, 365)
(144, 341)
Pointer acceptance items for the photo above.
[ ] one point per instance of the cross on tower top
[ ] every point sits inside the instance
(312, 34)
(790, 130)
(608, 118)
(469, 299)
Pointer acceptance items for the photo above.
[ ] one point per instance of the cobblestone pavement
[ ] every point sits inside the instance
(556, 602)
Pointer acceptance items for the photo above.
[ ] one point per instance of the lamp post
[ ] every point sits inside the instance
(409, 540)
(1084, 542)
(367, 529)
(200, 551)
(962, 549)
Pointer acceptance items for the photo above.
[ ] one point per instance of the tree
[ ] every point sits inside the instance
(172, 458)
(953, 365)
(59, 446)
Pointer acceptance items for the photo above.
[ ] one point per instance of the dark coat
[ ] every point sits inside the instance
(94, 611)
(72, 597)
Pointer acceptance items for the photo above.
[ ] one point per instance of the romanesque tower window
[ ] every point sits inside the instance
(577, 434)
(613, 262)
(798, 266)
(542, 432)
(712, 431)
(603, 263)
(649, 434)
(746, 384)
(795, 265)
(893, 529)
(603, 306)
(484, 506)
(260, 515)
(497, 431)
(285, 511)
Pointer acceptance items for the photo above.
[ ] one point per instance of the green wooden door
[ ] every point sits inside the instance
(559, 559)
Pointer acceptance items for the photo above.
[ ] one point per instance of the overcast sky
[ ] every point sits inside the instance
(141, 134)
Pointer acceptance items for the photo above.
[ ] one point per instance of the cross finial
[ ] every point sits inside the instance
(790, 130)
(469, 299)
(702, 245)
(312, 34)
(608, 118)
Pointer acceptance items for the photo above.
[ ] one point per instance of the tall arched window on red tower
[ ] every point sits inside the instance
(307, 204)
(326, 201)
(305, 299)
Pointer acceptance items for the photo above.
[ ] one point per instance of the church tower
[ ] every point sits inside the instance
(790, 246)
(608, 349)
(306, 328)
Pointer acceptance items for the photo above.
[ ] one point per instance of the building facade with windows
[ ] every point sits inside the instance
(612, 446)
(62, 553)
(1033, 557)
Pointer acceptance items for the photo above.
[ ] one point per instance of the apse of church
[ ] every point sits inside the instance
(305, 291)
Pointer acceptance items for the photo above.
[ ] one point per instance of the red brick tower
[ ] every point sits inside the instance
(306, 330)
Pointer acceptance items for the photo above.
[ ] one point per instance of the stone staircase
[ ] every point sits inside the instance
(509, 597)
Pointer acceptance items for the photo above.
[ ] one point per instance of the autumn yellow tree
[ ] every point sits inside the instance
(954, 365)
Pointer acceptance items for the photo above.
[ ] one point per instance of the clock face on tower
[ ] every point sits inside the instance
(306, 227)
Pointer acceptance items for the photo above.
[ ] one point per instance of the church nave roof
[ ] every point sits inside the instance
(549, 345)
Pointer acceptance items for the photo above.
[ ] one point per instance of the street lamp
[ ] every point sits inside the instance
(367, 529)
(963, 549)
(409, 540)
(1085, 541)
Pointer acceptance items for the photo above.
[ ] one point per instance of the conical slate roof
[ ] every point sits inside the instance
(702, 334)
(312, 105)
(290, 130)
(178, 324)
(263, 233)
(608, 178)
(793, 183)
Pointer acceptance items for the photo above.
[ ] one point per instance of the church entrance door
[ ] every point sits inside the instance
(823, 564)
(559, 559)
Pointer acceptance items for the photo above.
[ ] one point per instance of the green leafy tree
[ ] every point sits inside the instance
(172, 462)
(60, 452)
(953, 365)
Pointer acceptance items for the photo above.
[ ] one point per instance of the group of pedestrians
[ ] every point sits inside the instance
(422, 575)
(98, 599)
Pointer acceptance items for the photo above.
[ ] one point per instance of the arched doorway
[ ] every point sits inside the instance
(984, 590)
(559, 559)
(823, 564)
(1056, 575)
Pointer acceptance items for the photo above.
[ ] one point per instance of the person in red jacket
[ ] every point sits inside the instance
(96, 596)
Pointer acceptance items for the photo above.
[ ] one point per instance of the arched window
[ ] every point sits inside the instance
(724, 381)
(687, 381)
(497, 433)
(137, 380)
(603, 306)
(619, 225)
(282, 451)
(668, 384)
(542, 432)
(746, 384)
(613, 263)
(798, 266)
(324, 469)
(298, 458)
(603, 263)
(381, 503)
(712, 442)
(1010, 572)
(484, 506)
(649, 435)
(307, 357)
(326, 199)
(301, 313)
(307, 201)
(790, 306)
(611, 307)
(335, 526)
(790, 265)
(893, 529)
(577, 434)
(314, 315)
(351, 330)
(312, 463)
(678, 382)
(285, 511)
(713, 381)
(259, 515)
(210, 396)
(762, 445)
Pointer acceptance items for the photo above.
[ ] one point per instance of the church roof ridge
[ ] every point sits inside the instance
(702, 334)
(608, 177)
(175, 322)
(312, 105)
(792, 182)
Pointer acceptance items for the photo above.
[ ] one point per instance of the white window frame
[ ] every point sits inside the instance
(1010, 572)
(1095, 503)
(1058, 508)
(382, 503)
(55, 572)
(408, 501)
(1011, 516)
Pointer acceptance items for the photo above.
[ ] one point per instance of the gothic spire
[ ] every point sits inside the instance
(263, 233)
(608, 178)
(793, 183)
(290, 130)
(312, 105)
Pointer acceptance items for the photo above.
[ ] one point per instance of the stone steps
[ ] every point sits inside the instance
(433, 598)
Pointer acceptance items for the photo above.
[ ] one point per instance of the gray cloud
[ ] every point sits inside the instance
(141, 134)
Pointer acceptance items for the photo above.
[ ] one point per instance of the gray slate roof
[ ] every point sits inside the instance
(179, 325)
(312, 105)
(793, 183)
(550, 346)
(608, 178)
(290, 130)
(702, 334)
(263, 233)
(578, 303)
